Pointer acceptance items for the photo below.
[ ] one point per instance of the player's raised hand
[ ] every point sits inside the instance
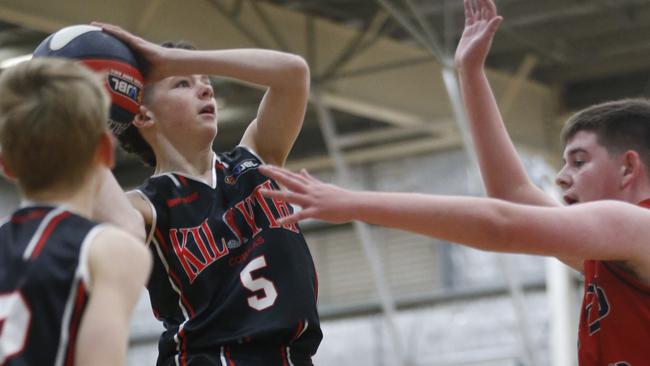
(156, 57)
(318, 200)
(481, 23)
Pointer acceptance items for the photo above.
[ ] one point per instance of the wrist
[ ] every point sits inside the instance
(470, 70)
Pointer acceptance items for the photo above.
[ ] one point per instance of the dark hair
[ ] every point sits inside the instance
(619, 126)
(130, 139)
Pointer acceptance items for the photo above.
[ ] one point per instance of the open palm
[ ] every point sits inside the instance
(481, 23)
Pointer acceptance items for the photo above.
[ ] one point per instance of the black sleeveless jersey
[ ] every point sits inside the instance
(43, 285)
(225, 273)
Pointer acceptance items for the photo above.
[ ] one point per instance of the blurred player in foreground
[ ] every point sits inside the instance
(67, 284)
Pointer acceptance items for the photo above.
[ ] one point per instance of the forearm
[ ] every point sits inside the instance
(467, 220)
(579, 232)
(493, 145)
(102, 339)
(269, 68)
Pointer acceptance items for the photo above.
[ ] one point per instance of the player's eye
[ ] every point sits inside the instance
(182, 84)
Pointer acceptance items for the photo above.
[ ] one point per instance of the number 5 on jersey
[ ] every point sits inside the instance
(261, 301)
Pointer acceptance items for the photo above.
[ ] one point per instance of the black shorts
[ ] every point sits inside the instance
(241, 355)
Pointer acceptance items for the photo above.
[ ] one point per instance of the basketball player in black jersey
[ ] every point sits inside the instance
(67, 284)
(231, 286)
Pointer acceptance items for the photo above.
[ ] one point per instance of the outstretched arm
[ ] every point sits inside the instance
(119, 266)
(286, 76)
(603, 230)
(502, 170)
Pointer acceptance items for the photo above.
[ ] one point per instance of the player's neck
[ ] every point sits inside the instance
(637, 193)
(79, 200)
(192, 163)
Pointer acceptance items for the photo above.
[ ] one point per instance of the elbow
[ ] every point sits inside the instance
(298, 72)
(504, 231)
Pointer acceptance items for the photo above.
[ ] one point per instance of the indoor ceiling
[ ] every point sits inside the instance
(586, 50)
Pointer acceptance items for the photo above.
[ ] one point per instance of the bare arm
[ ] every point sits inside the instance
(286, 76)
(119, 267)
(602, 230)
(493, 145)
(113, 206)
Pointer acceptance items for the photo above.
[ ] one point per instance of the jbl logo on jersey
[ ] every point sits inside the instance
(240, 169)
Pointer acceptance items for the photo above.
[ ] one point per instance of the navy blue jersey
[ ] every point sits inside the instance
(43, 285)
(225, 274)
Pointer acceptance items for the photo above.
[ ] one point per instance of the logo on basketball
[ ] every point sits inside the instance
(125, 86)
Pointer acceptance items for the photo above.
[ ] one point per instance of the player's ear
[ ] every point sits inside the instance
(631, 167)
(5, 170)
(143, 118)
(105, 150)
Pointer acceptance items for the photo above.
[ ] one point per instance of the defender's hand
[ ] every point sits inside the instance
(318, 200)
(481, 23)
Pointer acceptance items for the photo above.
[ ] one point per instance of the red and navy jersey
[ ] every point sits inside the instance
(43, 285)
(225, 273)
(615, 318)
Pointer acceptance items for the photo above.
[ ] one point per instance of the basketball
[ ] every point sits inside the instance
(106, 54)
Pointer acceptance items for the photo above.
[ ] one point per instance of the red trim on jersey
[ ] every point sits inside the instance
(80, 300)
(161, 240)
(35, 214)
(183, 180)
(183, 299)
(301, 326)
(183, 347)
(172, 275)
(283, 354)
(229, 359)
(48, 231)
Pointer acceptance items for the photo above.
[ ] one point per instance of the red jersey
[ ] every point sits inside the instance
(615, 317)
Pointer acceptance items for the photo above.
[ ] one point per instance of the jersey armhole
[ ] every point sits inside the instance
(153, 216)
(83, 269)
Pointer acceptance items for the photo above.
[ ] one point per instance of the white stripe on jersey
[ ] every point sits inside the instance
(171, 176)
(214, 171)
(84, 268)
(180, 301)
(289, 356)
(65, 323)
(223, 358)
(173, 285)
(39, 232)
(303, 329)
